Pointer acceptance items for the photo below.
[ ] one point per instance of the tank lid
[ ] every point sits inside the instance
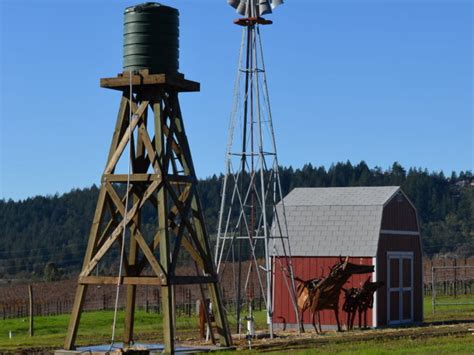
(151, 7)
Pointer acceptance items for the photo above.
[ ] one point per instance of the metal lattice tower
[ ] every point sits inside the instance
(249, 229)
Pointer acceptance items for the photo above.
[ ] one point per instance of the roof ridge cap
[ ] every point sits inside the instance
(342, 187)
(301, 205)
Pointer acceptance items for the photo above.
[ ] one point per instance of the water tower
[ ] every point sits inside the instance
(149, 142)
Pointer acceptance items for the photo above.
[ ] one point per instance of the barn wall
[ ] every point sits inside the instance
(394, 242)
(308, 268)
(399, 214)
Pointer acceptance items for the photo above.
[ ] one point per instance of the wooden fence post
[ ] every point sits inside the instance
(455, 277)
(30, 293)
(147, 310)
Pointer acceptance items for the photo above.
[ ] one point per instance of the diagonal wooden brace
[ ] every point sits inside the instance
(125, 138)
(116, 233)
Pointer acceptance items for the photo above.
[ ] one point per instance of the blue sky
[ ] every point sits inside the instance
(379, 81)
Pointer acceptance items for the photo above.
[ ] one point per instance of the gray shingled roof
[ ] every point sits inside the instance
(335, 221)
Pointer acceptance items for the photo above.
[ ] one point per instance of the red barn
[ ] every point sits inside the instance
(373, 226)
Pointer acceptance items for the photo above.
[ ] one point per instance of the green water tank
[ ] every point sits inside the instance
(151, 38)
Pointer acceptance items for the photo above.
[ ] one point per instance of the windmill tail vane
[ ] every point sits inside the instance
(252, 8)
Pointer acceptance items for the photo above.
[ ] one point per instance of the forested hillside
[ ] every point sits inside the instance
(40, 230)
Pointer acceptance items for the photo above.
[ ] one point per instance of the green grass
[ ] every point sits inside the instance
(96, 327)
(451, 312)
(448, 344)
(442, 345)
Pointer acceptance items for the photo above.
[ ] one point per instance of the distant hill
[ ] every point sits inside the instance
(39, 231)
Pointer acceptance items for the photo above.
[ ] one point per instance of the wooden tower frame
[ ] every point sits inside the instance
(162, 175)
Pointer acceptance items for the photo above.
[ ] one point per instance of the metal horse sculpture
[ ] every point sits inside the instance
(361, 300)
(303, 292)
(325, 293)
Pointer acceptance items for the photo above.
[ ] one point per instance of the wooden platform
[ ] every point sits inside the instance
(143, 77)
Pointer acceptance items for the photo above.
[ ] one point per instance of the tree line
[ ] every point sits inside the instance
(45, 236)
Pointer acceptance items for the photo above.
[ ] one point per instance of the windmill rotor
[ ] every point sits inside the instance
(254, 8)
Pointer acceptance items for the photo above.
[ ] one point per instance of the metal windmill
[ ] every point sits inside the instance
(250, 245)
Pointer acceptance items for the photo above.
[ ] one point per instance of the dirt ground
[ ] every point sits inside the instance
(290, 340)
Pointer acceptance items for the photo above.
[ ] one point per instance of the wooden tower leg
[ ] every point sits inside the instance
(214, 289)
(221, 320)
(139, 166)
(131, 289)
(95, 230)
(81, 289)
(129, 315)
(200, 229)
(79, 298)
(166, 289)
(131, 295)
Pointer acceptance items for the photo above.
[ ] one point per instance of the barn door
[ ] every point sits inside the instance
(400, 287)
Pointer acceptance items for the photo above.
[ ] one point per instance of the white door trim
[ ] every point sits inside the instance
(374, 309)
(400, 289)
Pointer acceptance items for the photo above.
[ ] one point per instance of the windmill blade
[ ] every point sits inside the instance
(276, 3)
(264, 7)
(260, 7)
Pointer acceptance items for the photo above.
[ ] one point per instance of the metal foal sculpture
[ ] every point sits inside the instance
(360, 300)
(350, 304)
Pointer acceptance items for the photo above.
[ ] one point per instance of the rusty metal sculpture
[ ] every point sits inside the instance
(360, 300)
(303, 292)
(324, 294)
(350, 304)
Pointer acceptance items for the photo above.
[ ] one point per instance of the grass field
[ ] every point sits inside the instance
(448, 344)
(96, 328)
(451, 312)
